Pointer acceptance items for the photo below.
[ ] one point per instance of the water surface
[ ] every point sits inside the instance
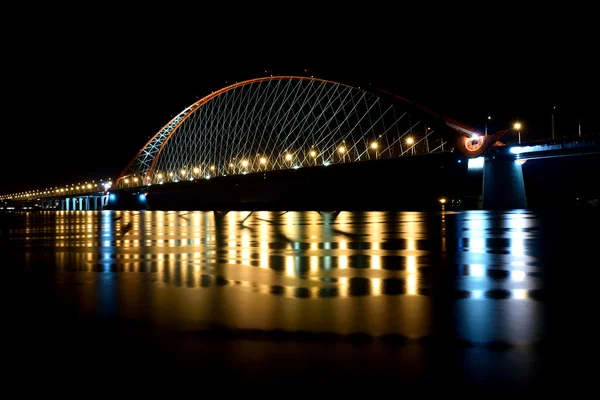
(473, 299)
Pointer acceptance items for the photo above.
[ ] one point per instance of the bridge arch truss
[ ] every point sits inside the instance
(281, 122)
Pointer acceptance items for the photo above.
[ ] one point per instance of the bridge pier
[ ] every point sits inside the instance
(503, 184)
(126, 200)
(80, 203)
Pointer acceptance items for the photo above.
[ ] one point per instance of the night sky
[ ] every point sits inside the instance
(84, 91)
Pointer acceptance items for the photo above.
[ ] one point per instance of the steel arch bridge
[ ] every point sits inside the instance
(286, 122)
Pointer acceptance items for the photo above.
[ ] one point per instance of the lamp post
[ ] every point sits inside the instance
(342, 150)
(313, 154)
(374, 146)
(489, 119)
(517, 127)
(553, 108)
(410, 141)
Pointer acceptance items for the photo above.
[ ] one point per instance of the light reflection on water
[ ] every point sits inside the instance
(406, 273)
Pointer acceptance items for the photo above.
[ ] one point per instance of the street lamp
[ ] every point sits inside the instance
(410, 141)
(553, 108)
(489, 118)
(517, 127)
(374, 146)
(313, 154)
(342, 151)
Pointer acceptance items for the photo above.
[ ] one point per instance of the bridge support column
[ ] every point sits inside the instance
(503, 185)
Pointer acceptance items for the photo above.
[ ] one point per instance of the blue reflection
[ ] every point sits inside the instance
(476, 270)
(494, 304)
(106, 282)
(516, 225)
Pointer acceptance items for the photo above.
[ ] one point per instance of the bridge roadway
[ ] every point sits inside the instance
(534, 150)
(70, 202)
(414, 182)
(407, 183)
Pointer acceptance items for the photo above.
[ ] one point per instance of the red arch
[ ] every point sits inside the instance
(205, 100)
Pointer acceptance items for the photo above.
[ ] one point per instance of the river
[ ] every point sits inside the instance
(476, 301)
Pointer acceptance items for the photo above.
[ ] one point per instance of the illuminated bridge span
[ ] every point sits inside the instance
(284, 122)
(253, 136)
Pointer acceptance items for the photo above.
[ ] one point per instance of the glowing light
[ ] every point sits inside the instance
(313, 153)
(476, 270)
(288, 157)
(289, 265)
(520, 162)
(160, 176)
(442, 200)
(517, 275)
(374, 145)
(196, 170)
(342, 149)
(263, 160)
(183, 172)
(475, 163)
(376, 286)
(212, 167)
(517, 126)
(410, 140)
(244, 163)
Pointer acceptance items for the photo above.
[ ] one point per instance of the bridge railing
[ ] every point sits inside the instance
(74, 189)
(345, 152)
(562, 140)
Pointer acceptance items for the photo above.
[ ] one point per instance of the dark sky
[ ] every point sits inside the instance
(83, 90)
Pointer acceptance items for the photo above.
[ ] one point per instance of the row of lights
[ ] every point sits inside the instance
(262, 160)
(72, 189)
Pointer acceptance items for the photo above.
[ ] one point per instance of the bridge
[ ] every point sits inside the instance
(312, 138)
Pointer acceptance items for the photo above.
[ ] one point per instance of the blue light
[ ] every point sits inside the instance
(112, 197)
(142, 197)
